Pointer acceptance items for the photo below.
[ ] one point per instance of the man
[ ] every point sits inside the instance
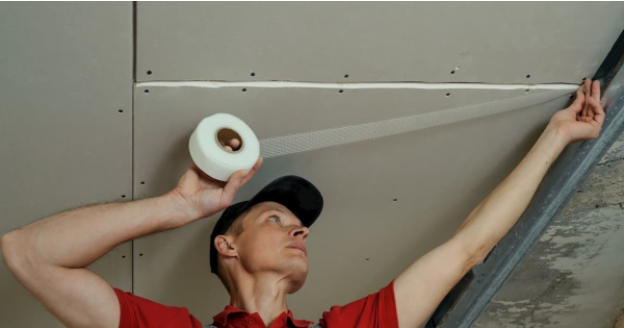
(258, 247)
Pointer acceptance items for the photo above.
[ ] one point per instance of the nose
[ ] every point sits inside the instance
(299, 232)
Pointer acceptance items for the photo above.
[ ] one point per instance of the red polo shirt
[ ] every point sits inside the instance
(375, 310)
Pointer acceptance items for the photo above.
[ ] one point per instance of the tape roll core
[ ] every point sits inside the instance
(222, 136)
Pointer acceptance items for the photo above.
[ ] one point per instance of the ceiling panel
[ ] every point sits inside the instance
(497, 42)
(437, 176)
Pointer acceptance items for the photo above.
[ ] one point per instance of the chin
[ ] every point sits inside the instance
(299, 272)
(296, 284)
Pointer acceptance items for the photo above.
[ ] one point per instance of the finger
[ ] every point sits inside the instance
(253, 170)
(589, 111)
(596, 90)
(232, 186)
(578, 104)
(599, 114)
(234, 143)
(586, 119)
(240, 178)
(587, 83)
(228, 148)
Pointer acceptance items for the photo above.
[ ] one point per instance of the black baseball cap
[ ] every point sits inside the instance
(297, 194)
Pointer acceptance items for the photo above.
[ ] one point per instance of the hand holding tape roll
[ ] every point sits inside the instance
(211, 151)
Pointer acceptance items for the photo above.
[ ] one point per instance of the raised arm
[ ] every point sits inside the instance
(49, 256)
(423, 285)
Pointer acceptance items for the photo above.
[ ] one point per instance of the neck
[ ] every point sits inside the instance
(262, 293)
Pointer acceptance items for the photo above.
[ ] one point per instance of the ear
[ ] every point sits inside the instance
(225, 245)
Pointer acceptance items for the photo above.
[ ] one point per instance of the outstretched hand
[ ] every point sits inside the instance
(203, 196)
(583, 119)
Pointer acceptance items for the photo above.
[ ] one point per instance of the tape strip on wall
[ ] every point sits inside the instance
(307, 141)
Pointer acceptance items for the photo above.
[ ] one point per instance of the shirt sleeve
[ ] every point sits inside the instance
(374, 311)
(138, 312)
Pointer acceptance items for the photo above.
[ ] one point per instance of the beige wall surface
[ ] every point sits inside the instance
(498, 42)
(65, 72)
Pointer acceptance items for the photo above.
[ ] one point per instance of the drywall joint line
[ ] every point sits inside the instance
(358, 86)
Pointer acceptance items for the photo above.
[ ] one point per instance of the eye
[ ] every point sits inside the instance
(275, 218)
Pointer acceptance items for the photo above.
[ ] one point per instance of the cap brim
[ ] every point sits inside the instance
(297, 194)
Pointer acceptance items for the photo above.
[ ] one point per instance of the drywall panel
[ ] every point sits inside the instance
(392, 198)
(65, 74)
(347, 42)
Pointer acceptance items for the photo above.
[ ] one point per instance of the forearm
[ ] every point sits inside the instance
(78, 237)
(501, 209)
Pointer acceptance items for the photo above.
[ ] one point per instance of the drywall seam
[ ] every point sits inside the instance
(387, 85)
(312, 140)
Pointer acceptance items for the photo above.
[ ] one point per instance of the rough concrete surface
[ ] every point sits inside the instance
(573, 275)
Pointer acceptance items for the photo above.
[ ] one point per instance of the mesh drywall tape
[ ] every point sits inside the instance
(220, 164)
(307, 141)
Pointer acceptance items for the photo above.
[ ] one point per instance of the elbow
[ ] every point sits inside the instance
(6, 246)
(9, 246)
(473, 254)
(5, 243)
(480, 254)
(472, 259)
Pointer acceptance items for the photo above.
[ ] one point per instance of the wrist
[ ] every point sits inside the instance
(550, 144)
(184, 212)
(557, 134)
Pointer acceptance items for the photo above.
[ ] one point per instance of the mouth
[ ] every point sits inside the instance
(300, 247)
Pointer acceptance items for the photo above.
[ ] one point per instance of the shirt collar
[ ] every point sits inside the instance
(221, 319)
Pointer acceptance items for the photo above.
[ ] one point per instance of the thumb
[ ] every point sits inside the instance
(234, 183)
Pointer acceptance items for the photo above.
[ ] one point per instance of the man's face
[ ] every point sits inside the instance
(271, 240)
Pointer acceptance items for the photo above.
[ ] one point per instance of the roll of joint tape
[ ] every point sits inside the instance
(207, 146)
